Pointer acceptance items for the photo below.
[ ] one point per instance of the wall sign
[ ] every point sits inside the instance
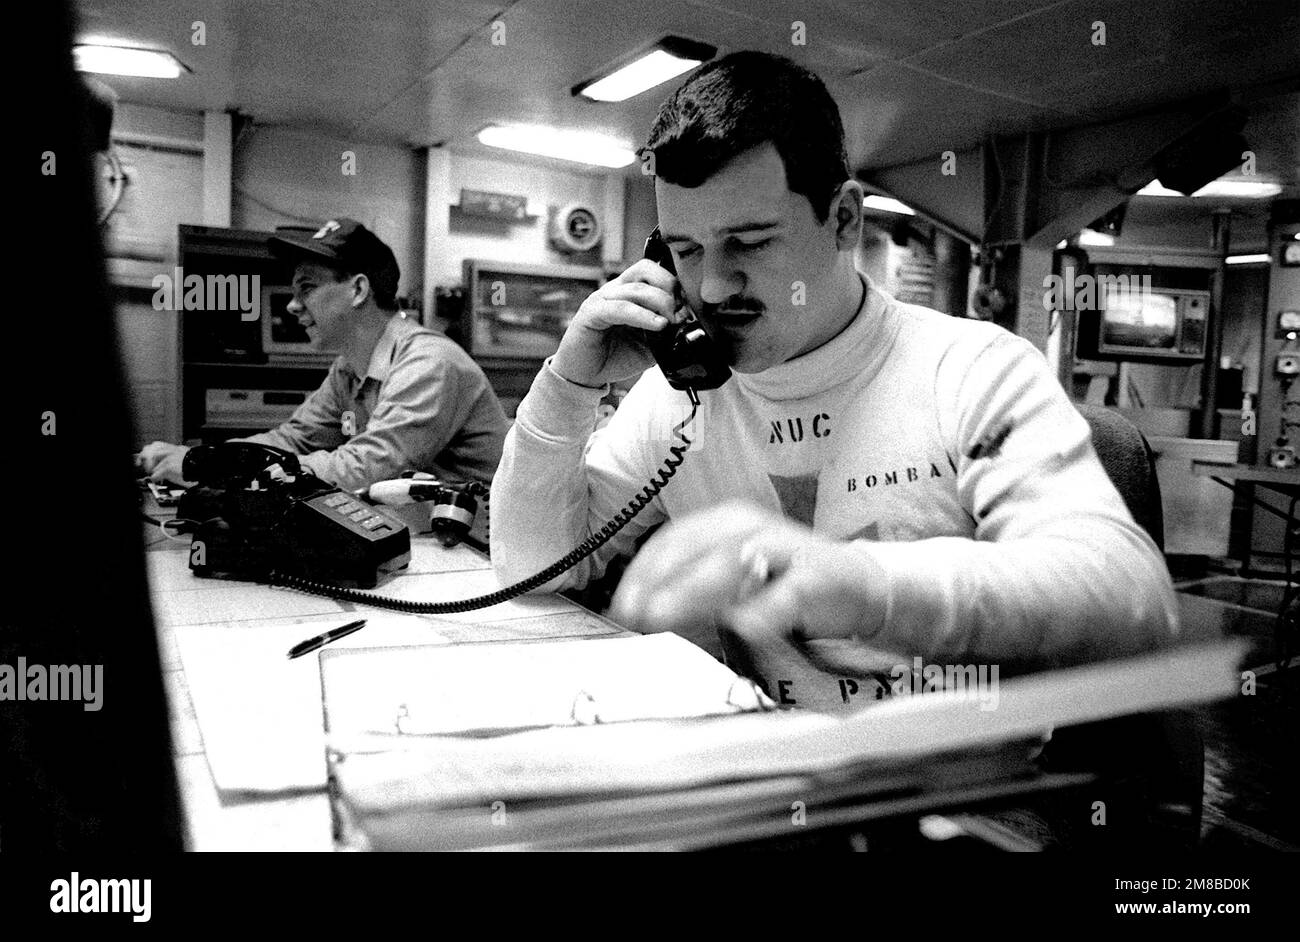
(494, 205)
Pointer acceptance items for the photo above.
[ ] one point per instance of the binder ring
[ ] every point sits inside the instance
(747, 696)
(584, 711)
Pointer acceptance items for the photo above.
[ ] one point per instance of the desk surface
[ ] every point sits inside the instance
(1248, 473)
(184, 604)
(194, 614)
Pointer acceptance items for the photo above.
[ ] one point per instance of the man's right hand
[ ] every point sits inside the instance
(603, 343)
(161, 461)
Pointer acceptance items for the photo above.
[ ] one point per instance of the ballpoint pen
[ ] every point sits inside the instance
(311, 644)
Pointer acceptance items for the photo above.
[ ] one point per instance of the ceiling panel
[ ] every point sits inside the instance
(913, 76)
(1058, 41)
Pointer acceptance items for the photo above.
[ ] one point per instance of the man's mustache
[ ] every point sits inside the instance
(737, 304)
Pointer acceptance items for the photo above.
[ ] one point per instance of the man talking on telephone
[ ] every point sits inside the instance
(875, 473)
(397, 397)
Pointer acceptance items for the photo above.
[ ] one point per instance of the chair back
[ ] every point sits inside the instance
(1162, 753)
(1130, 465)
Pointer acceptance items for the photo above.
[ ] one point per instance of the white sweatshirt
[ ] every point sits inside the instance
(1027, 552)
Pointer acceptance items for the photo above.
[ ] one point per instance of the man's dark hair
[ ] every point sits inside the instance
(742, 101)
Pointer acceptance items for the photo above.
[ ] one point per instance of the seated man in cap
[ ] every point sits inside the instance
(397, 397)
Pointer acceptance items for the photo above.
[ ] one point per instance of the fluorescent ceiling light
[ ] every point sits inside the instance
(1242, 189)
(887, 204)
(1234, 187)
(1262, 258)
(575, 146)
(1155, 189)
(1093, 237)
(666, 59)
(123, 60)
(650, 70)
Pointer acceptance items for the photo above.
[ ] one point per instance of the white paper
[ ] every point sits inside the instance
(431, 556)
(259, 713)
(217, 601)
(457, 586)
(500, 686)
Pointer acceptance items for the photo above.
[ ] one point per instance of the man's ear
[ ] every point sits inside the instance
(846, 211)
(361, 289)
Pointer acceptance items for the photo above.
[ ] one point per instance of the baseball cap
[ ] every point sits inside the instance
(341, 243)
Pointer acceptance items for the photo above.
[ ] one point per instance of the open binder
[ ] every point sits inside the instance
(719, 773)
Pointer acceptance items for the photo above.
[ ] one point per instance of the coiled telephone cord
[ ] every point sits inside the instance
(584, 549)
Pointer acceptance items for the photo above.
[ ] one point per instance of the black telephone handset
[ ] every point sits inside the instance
(689, 357)
(231, 461)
